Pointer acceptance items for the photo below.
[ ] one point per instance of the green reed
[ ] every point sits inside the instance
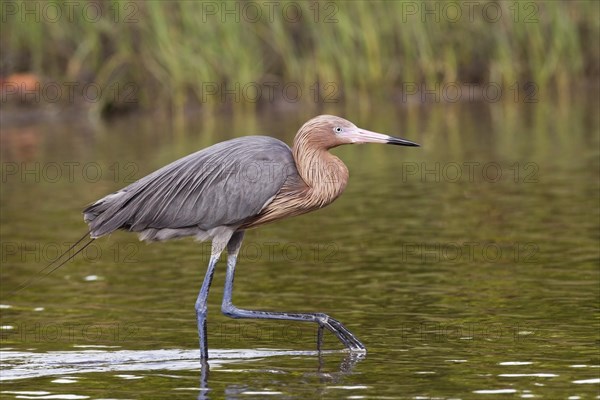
(184, 53)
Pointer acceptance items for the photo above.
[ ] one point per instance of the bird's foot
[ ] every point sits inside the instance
(339, 330)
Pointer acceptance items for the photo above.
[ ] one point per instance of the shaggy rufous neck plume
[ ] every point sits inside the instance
(321, 178)
(325, 174)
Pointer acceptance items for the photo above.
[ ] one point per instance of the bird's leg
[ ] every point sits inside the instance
(218, 244)
(319, 338)
(323, 320)
(202, 307)
(233, 249)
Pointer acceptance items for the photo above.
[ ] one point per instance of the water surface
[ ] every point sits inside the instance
(468, 267)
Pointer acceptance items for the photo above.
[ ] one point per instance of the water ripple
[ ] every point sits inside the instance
(27, 365)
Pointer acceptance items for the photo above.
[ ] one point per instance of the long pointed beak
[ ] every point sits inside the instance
(365, 136)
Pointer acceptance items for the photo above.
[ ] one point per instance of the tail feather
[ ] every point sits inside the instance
(107, 214)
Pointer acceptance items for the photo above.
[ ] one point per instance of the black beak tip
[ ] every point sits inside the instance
(402, 142)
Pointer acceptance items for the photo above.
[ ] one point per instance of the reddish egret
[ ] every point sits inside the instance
(212, 195)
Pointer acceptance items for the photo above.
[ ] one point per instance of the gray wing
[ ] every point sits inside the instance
(221, 185)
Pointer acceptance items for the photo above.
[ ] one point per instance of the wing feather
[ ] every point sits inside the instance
(206, 189)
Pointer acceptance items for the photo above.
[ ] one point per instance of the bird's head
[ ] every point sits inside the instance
(329, 131)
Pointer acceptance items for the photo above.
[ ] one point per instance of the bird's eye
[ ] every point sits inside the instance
(337, 129)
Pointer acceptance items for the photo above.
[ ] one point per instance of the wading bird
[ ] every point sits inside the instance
(219, 192)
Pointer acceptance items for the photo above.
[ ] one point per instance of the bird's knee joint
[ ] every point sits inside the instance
(230, 310)
(322, 318)
(201, 311)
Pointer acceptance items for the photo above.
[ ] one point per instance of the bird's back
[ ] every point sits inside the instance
(222, 185)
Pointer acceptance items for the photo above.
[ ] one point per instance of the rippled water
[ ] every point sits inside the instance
(469, 267)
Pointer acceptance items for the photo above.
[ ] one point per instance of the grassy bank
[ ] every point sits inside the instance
(171, 54)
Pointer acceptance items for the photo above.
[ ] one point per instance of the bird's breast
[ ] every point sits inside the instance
(304, 192)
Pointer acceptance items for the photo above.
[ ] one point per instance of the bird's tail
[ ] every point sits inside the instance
(44, 272)
(107, 214)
